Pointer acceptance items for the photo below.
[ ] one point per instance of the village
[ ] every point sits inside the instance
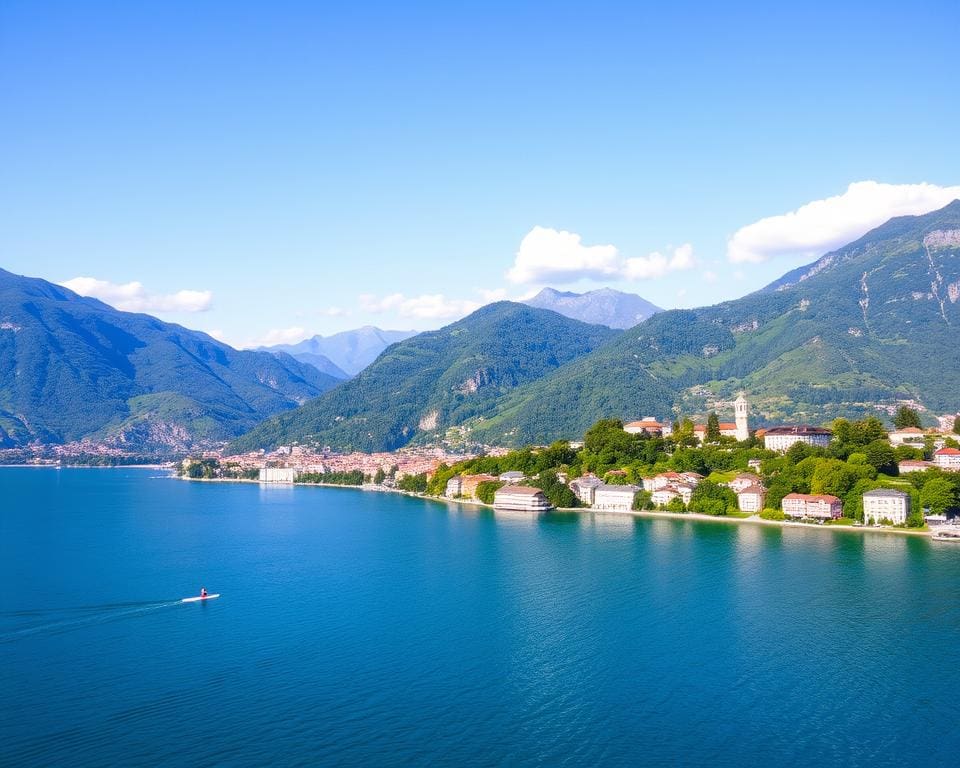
(892, 502)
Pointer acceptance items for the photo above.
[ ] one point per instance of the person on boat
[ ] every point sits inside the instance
(203, 591)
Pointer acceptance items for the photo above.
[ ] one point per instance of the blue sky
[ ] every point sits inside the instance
(269, 170)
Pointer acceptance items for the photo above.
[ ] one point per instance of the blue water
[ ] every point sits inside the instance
(360, 628)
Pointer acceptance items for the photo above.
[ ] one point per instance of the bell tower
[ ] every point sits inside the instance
(740, 411)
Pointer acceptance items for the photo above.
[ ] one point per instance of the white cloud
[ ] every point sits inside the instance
(555, 256)
(657, 265)
(274, 336)
(824, 225)
(710, 276)
(334, 312)
(133, 297)
(433, 306)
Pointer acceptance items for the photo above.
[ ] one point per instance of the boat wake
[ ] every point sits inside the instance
(55, 621)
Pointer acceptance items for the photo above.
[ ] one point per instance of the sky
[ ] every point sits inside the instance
(267, 171)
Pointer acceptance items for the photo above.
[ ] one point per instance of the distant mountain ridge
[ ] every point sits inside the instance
(604, 306)
(73, 367)
(420, 387)
(348, 352)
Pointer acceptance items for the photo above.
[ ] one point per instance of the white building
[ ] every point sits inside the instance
(781, 438)
(915, 465)
(885, 504)
(584, 487)
(512, 477)
(521, 498)
(750, 498)
(948, 459)
(906, 436)
(454, 487)
(614, 498)
(741, 415)
(649, 425)
(663, 496)
(741, 481)
(820, 507)
(277, 474)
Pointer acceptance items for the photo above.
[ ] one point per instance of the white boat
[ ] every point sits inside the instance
(198, 598)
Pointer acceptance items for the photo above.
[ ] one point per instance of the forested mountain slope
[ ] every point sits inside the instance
(870, 323)
(421, 386)
(73, 367)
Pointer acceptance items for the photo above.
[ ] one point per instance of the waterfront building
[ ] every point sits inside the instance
(885, 504)
(685, 490)
(521, 498)
(614, 498)
(663, 496)
(817, 506)
(751, 498)
(585, 487)
(781, 438)
(454, 487)
(277, 474)
(468, 488)
(742, 481)
(948, 459)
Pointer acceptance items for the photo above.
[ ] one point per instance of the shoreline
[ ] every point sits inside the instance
(656, 514)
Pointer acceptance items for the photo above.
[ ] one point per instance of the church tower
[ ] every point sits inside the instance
(740, 409)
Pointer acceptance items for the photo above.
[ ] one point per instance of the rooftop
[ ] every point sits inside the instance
(798, 429)
(885, 493)
(518, 490)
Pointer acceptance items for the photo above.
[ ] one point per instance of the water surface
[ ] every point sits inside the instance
(361, 628)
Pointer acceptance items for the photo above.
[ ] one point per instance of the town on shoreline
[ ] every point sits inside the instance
(856, 474)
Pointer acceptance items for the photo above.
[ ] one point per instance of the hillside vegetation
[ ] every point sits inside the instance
(421, 386)
(73, 368)
(873, 322)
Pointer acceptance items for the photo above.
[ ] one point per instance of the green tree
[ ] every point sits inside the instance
(881, 456)
(676, 505)
(643, 500)
(906, 417)
(713, 428)
(413, 483)
(556, 491)
(487, 490)
(956, 425)
(938, 495)
(379, 477)
(709, 498)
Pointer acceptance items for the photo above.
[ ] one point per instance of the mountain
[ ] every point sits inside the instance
(864, 326)
(321, 362)
(604, 306)
(421, 386)
(348, 351)
(73, 367)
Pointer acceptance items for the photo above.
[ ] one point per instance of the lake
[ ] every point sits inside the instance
(375, 629)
